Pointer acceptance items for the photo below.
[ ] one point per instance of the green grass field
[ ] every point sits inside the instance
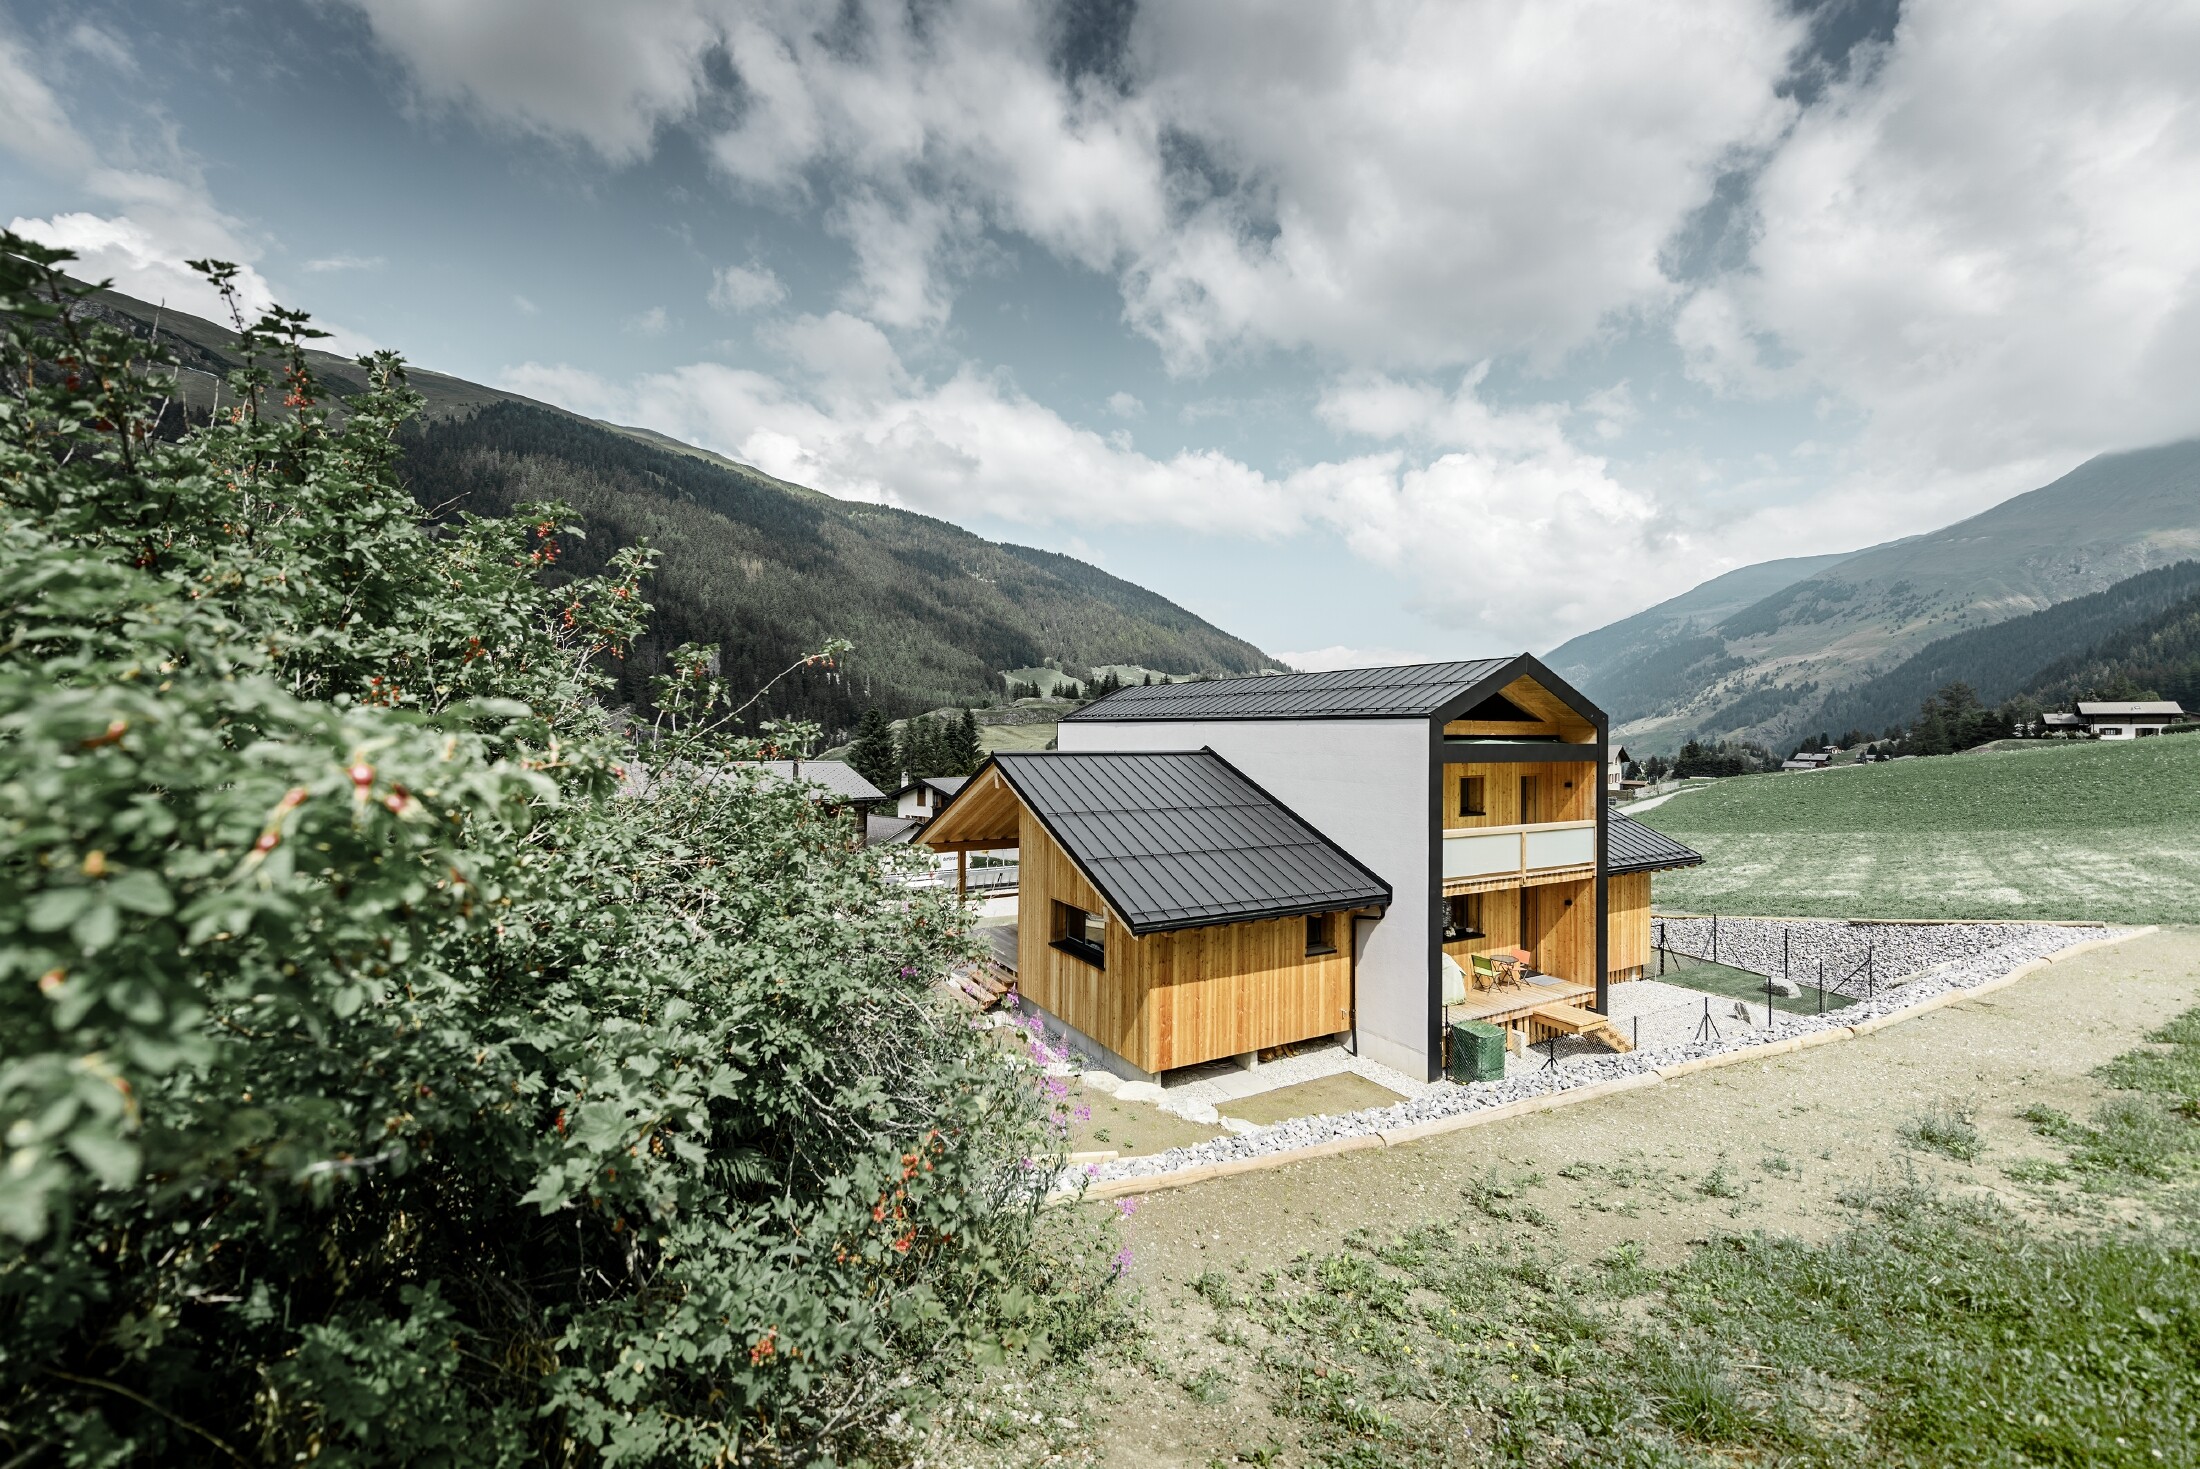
(2084, 830)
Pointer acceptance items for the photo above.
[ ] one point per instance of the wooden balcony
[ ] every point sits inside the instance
(1481, 858)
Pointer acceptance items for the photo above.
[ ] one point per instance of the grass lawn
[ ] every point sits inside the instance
(1945, 1329)
(2080, 830)
(1740, 984)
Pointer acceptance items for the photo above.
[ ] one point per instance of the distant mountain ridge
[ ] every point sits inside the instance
(1632, 665)
(2059, 652)
(766, 569)
(1766, 670)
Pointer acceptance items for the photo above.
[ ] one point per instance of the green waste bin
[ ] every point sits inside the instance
(1477, 1051)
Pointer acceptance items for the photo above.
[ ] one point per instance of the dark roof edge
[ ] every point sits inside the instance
(1536, 669)
(1216, 719)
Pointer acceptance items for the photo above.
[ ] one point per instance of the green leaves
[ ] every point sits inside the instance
(380, 1079)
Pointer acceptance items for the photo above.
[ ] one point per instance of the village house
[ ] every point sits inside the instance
(2127, 720)
(921, 797)
(1212, 869)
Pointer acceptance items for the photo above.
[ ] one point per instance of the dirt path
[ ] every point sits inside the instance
(1760, 1145)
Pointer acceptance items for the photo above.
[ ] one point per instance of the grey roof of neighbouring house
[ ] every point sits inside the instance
(1629, 846)
(840, 782)
(1182, 839)
(1413, 690)
(2125, 708)
(836, 777)
(889, 831)
(946, 785)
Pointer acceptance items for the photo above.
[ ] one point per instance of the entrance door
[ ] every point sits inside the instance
(1531, 925)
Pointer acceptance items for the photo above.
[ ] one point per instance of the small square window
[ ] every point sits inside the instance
(1470, 796)
(1463, 918)
(1081, 934)
(1321, 933)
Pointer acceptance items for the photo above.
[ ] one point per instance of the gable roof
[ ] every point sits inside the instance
(1183, 839)
(1408, 691)
(1629, 846)
(836, 776)
(839, 781)
(890, 831)
(2123, 708)
(946, 785)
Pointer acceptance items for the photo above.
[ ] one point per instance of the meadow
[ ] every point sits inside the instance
(2075, 831)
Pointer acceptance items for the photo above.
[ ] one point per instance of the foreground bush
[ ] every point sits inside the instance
(400, 1061)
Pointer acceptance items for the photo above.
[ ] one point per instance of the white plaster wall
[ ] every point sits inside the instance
(1364, 784)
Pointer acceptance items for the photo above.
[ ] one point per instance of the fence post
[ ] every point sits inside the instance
(1786, 968)
(1714, 938)
(1821, 986)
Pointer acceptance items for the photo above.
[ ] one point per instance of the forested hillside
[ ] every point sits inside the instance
(2157, 654)
(1765, 671)
(765, 569)
(768, 570)
(2141, 630)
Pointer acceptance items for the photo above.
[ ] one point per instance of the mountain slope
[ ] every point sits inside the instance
(1632, 665)
(2100, 632)
(1765, 670)
(766, 569)
(2158, 655)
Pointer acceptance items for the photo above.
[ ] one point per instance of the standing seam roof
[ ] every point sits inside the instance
(1629, 846)
(1417, 689)
(1181, 839)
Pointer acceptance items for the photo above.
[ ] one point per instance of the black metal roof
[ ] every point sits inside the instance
(1181, 839)
(1417, 689)
(1629, 846)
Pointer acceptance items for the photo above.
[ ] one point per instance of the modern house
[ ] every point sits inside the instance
(2127, 720)
(1210, 869)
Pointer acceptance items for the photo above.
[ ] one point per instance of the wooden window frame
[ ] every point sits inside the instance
(1473, 796)
(1320, 937)
(1473, 929)
(1069, 923)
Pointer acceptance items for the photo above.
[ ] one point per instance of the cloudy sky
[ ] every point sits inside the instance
(1366, 331)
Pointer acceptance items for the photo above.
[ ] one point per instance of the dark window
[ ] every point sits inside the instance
(1082, 934)
(1531, 802)
(1470, 796)
(1463, 918)
(1318, 931)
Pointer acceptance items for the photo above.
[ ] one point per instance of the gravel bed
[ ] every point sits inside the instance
(1935, 958)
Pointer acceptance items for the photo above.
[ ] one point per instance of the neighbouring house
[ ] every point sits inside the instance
(1616, 777)
(2127, 720)
(921, 797)
(835, 785)
(1211, 869)
(889, 831)
(2067, 726)
(1808, 760)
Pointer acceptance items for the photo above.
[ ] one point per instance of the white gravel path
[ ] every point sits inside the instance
(1937, 957)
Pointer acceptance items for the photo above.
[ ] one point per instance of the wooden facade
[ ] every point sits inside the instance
(1524, 793)
(1178, 998)
(1628, 901)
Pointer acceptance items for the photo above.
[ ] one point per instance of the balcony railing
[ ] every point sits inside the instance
(1519, 850)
